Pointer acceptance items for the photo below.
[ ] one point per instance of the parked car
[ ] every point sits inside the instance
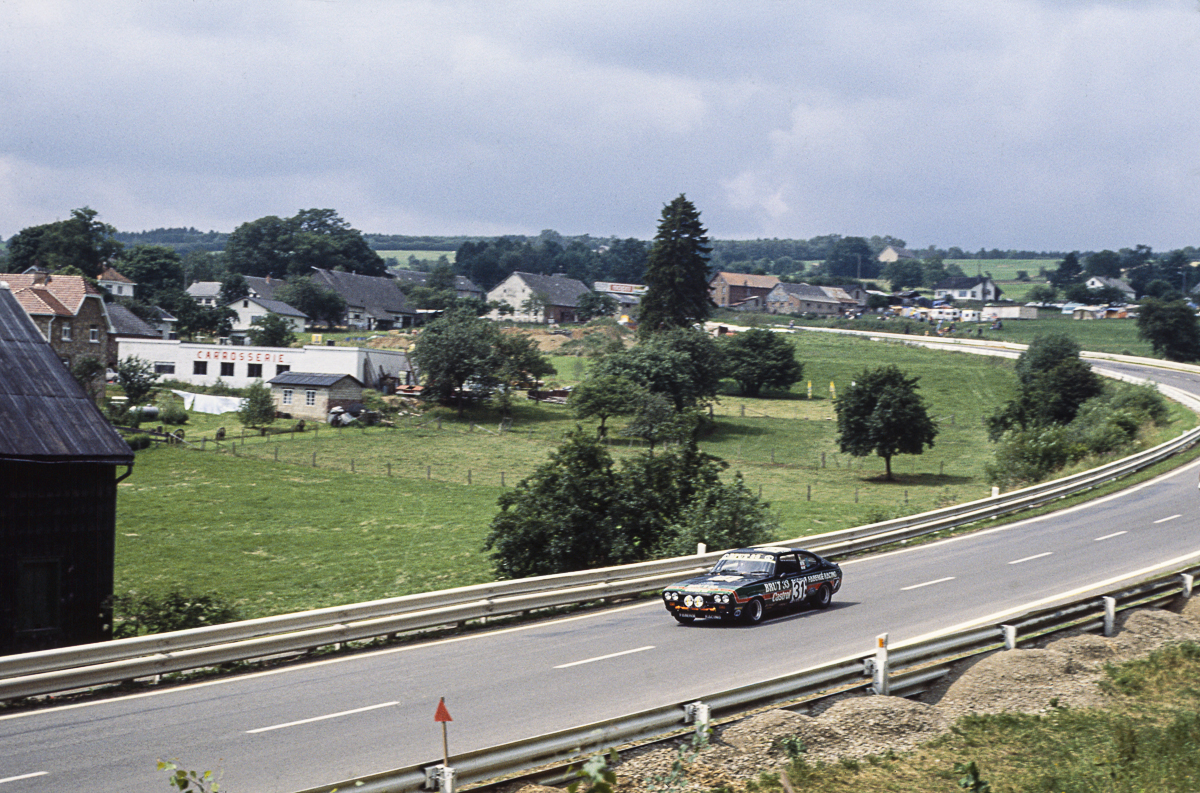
(749, 583)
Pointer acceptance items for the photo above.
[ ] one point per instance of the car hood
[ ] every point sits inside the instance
(710, 582)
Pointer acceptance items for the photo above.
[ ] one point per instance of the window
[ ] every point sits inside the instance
(310, 397)
(245, 304)
(38, 594)
(164, 367)
(94, 334)
(254, 370)
(255, 318)
(66, 332)
(226, 369)
(963, 293)
(287, 396)
(283, 367)
(199, 367)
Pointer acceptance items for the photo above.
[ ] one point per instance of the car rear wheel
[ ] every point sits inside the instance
(823, 597)
(754, 612)
(683, 619)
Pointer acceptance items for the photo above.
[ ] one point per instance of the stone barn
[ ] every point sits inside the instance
(310, 396)
(59, 461)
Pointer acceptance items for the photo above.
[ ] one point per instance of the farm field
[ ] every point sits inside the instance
(430, 256)
(288, 522)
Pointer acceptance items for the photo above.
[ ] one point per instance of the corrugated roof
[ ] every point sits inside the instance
(44, 414)
(310, 378)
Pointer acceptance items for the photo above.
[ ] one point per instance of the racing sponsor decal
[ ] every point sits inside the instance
(789, 590)
(751, 557)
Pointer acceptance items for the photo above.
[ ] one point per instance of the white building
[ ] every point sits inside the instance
(238, 367)
(249, 309)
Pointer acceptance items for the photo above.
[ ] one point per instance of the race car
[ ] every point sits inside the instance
(749, 583)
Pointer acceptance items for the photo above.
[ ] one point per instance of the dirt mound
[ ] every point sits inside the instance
(1143, 631)
(1024, 681)
(871, 725)
(1087, 649)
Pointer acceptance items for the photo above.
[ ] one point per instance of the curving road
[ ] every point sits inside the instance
(293, 728)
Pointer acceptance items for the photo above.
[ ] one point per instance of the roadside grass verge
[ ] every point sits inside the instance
(1145, 740)
(270, 531)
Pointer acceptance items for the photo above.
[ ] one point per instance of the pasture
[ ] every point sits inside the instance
(425, 256)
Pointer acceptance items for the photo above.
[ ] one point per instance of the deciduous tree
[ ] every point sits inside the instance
(456, 348)
(1052, 383)
(604, 396)
(81, 241)
(759, 359)
(677, 293)
(882, 413)
(1171, 328)
(258, 408)
(319, 303)
(683, 364)
(271, 330)
(136, 377)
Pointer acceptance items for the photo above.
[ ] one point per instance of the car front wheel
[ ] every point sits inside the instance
(754, 612)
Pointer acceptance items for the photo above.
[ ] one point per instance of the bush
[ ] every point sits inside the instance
(1025, 457)
(173, 413)
(1144, 399)
(139, 442)
(134, 614)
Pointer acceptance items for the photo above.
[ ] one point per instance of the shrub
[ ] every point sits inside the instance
(134, 614)
(173, 413)
(1032, 455)
(138, 442)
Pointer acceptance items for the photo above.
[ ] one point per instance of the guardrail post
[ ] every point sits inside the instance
(439, 777)
(701, 549)
(881, 664)
(1110, 615)
(995, 492)
(700, 714)
(1188, 580)
(1010, 636)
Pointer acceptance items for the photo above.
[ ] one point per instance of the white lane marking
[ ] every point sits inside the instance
(23, 776)
(1031, 558)
(1164, 520)
(322, 718)
(606, 657)
(927, 583)
(1110, 536)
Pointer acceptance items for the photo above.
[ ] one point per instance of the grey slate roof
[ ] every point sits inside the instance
(559, 289)
(960, 282)
(461, 282)
(201, 289)
(264, 287)
(126, 323)
(275, 307)
(310, 378)
(45, 416)
(379, 296)
(807, 291)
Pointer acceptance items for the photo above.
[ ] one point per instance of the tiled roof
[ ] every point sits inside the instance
(61, 295)
(379, 296)
(126, 323)
(110, 274)
(45, 416)
(746, 279)
(558, 289)
(310, 378)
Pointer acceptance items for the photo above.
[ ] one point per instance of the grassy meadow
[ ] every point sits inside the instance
(389, 511)
(430, 256)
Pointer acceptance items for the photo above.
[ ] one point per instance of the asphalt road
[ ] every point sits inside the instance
(292, 728)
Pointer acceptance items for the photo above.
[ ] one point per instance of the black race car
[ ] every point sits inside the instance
(749, 582)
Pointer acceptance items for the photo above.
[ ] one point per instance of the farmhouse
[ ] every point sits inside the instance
(729, 289)
(58, 496)
(463, 287)
(808, 299)
(67, 310)
(206, 293)
(966, 288)
(1100, 282)
(373, 302)
(237, 366)
(307, 395)
(249, 309)
(893, 254)
(558, 295)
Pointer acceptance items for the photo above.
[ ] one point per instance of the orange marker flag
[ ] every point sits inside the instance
(442, 715)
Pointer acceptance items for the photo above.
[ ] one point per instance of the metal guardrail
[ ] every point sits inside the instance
(908, 666)
(49, 671)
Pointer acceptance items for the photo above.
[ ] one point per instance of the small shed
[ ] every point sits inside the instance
(59, 461)
(308, 395)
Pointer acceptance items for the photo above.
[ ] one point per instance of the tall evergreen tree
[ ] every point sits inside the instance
(677, 271)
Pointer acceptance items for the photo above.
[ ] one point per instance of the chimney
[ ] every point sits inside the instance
(41, 278)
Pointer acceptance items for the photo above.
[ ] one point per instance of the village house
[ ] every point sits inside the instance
(729, 289)
(807, 299)
(557, 294)
(893, 254)
(250, 309)
(69, 312)
(58, 495)
(1100, 282)
(373, 302)
(116, 284)
(979, 288)
(464, 287)
(206, 293)
(311, 396)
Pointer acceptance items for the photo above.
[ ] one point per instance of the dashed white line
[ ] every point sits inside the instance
(1110, 536)
(606, 657)
(927, 583)
(23, 776)
(322, 718)
(1164, 520)
(1031, 558)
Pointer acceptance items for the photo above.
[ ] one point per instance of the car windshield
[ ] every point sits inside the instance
(733, 565)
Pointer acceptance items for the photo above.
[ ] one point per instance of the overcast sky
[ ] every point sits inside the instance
(1029, 124)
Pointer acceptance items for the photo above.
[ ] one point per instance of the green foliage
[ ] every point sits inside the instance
(904, 273)
(1053, 382)
(1026, 456)
(851, 257)
(970, 779)
(88, 371)
(1171, 328)
(156, 269)
(882, 413)
(172, 412)
(1041, 293)
(684, 365)
(271, 330)
(595, 304)
(578, 511)
(293, 246)
(676, 272)
(135, 615)
(81, 242)
(136, 378)
(1069, 271)
(259, 408)
(656, 421)
(759, 359)
(319, 303)
(596, 773)
(603, 396)
(456, 348)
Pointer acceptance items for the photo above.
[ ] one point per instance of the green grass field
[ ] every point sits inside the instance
(430, 256)
(266, 528)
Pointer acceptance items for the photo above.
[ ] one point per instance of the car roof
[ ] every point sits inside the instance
(775, 550)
